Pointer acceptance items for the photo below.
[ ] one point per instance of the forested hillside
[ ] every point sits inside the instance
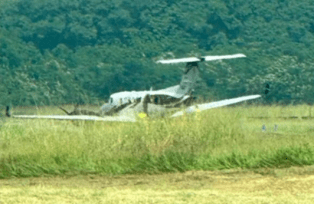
(81, 51)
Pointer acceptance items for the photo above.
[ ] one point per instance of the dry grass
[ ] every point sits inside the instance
(285, 186)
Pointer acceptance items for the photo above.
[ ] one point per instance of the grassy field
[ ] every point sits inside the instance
(224, 138)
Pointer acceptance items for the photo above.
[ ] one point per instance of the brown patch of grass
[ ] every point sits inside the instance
(233, 186)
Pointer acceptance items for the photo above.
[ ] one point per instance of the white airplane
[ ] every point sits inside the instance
(124, 106)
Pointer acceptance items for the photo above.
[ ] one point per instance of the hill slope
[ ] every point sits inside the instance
(81, 51)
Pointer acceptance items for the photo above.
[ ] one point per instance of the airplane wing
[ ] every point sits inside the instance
(78, 117)
(216, 104)
(205, 58)
(123, 118)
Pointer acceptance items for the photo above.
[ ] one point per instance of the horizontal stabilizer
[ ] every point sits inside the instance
(173, 61)
(212, 58)
(78, 117)
(205, 58)
(216, 104)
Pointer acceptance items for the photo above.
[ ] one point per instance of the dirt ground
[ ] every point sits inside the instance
(293, 185)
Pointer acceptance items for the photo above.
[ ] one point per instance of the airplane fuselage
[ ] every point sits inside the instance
(162, 97)
(174, 95)
(124, 105)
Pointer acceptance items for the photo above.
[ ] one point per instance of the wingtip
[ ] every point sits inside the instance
(241, 55)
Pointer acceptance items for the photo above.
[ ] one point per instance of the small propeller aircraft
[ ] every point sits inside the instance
(126, 106)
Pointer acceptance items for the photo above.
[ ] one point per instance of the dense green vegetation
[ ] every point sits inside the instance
(222, 138)
(81, 51)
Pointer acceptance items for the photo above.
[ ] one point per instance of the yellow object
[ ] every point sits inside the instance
(142, 115)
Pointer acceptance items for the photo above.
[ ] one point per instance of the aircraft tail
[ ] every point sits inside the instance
(191, 72)
(188, 82)
(189, 77)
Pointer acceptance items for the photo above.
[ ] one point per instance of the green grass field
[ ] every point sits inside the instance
(223, 138)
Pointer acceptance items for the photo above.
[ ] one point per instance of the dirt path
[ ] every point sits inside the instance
(295, 185)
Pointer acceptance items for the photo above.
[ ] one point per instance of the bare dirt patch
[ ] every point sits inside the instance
(293, 185)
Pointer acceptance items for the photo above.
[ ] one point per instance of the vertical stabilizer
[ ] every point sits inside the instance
(189, 77)
(191, 72)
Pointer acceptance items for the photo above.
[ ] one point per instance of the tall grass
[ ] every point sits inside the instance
(216, 139)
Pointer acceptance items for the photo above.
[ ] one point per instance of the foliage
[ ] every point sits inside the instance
(81, 51)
